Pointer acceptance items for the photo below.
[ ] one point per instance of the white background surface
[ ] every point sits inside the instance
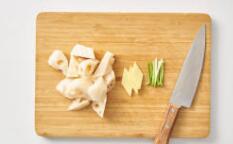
(17, 66)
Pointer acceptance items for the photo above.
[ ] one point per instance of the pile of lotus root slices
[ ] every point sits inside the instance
(87, 80)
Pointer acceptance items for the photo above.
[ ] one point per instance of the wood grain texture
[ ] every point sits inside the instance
(134, 37)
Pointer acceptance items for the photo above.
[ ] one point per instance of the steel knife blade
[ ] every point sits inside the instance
(188, 79)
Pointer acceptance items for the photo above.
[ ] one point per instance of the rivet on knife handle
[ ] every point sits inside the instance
(168, 123)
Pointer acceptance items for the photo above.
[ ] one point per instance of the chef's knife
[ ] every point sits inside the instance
(186, 85)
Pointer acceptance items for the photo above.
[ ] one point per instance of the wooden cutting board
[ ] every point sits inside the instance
(138, 37)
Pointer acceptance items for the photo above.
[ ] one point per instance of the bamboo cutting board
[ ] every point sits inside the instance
(136, 37)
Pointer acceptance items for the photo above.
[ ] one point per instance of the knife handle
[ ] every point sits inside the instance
(168, 123)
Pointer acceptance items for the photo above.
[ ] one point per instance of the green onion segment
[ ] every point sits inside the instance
(156, 73)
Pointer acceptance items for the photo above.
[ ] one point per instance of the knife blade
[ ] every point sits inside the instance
(186, 85)
(187, 82)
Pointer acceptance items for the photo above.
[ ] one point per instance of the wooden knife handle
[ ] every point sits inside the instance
(168, 123)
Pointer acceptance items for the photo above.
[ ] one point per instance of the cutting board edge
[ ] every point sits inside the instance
(41, 14)
(100, 135)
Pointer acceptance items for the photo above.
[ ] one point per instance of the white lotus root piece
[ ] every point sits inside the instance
(98, 94)
(98, 91)
(78, 88)
(58, 61)
(83, 51)
(62, 86)
(73, 69)
(105, 65)
(87, 67)
(78, 104)
(99, 107)
(110, 80)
